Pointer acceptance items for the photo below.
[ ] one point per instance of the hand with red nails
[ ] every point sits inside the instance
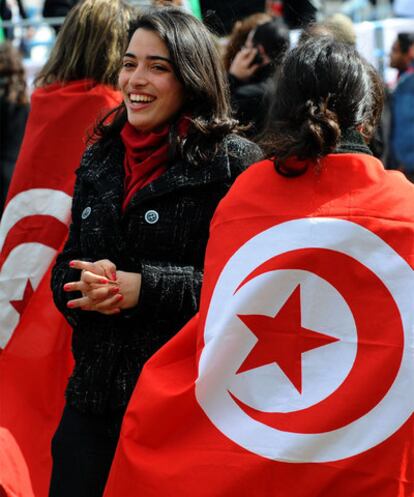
(103, 288)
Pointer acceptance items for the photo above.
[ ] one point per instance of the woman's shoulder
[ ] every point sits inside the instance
(241, 151)
(235, 142)
(98, 157)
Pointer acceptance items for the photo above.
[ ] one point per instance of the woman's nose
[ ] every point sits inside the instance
(138, 77)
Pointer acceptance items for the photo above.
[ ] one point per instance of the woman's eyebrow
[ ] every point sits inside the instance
(149, 57)
(158, 57)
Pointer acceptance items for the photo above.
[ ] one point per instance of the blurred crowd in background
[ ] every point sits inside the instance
(382, 30)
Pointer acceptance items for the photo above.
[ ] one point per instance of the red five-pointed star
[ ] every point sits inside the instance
(20, 305)
(283, 340)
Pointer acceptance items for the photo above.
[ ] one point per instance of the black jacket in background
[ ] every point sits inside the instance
(162, 235)
(252, 100)
(299, 13)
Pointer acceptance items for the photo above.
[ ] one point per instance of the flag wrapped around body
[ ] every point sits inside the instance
(35, 358)
(296, 378)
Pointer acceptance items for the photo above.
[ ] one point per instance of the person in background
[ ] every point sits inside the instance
(239, 34)
(401, 142)
(402, 53)
(130, 273)
(14, 111)
(338, 25)
(73, 89)
(251, 75)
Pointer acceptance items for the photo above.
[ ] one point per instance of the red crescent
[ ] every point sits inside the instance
(380, 341)
(46, 230)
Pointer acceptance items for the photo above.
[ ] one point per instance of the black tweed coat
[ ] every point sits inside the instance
(162, 234)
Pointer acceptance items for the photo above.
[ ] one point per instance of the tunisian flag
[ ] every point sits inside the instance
(36, 360)
(297, 378)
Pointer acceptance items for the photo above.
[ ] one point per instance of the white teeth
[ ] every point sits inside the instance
(136, 99)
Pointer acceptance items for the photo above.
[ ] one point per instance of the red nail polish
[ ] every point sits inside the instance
(103, 281)
(120, 297)
(114, 276)
(66, 287)
(70, 304)
(71, 263)
(114, 290)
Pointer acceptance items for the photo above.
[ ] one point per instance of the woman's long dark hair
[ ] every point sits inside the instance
(324, 89)
(198, 67)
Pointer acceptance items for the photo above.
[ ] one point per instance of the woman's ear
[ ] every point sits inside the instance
(365, 131)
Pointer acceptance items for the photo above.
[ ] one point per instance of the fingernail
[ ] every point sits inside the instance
(71, 263)
(67, 287)
(70, 304)
(114, 290)
(120, 297)
(103, 281)
(114, 276)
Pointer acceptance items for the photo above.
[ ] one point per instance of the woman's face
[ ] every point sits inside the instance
(151, 92)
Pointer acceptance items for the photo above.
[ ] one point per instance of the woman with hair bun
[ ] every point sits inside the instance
(329, 99)
(297, 374)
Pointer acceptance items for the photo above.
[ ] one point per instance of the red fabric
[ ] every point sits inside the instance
(212, 415)
(36, 360)
(146, 156)
(14, 476)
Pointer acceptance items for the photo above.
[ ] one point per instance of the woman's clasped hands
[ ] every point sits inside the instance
(103, 288)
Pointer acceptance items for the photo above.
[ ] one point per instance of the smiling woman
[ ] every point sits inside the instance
(130, 273)
(151, 91)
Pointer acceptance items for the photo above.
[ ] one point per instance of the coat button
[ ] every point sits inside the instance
(151, 217)
(86, 212)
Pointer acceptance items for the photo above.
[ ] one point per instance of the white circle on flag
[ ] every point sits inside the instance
(228, 343)
(27, 261)
(267, 388)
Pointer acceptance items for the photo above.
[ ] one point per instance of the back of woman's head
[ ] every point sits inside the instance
(90, 44)
(324, 89)
(13, 86)
(274, 38)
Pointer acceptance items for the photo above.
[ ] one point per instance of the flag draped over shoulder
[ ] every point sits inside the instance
(297, 377)
(35, 358)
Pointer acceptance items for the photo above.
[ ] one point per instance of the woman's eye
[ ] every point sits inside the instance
(159, 68)
(127, 65)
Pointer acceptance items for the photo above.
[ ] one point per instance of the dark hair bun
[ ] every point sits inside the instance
(320, 129)
(324, 89)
